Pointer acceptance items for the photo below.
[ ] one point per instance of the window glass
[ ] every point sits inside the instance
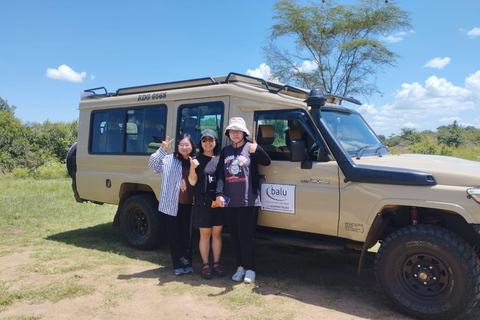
(128, 130)
(194, 118)
(277, 130)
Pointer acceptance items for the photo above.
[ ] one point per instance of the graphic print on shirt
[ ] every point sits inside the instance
(235, 168)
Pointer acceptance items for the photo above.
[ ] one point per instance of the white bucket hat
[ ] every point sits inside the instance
(237, 123)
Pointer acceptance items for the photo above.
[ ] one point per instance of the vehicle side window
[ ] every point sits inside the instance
(128, 130)
(194, 118)
(276, 131)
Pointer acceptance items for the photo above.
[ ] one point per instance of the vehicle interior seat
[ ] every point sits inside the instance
(265, 138)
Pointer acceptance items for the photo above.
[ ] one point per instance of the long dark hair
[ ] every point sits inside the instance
(216, 149)
(177, 154)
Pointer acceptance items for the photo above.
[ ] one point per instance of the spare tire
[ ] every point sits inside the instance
(71, 161)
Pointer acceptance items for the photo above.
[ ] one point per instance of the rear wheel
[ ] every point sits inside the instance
(429, 272)
(142, 224)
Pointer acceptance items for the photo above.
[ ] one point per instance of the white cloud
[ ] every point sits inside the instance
(308, 66)
(263, 71)
(397, 37)
(368, 109)
(92, 77)
(422, 106)
(437, 63)
(65, 73)
(449, 120)
(411, 125)
(472, 83)
(475, 32)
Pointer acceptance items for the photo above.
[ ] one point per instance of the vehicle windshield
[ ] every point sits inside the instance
(353, 133)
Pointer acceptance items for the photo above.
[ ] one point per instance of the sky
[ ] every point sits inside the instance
(51, 51)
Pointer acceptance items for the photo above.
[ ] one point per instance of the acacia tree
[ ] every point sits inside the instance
(337, 47)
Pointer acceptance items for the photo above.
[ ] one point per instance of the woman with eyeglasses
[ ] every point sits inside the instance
(176, 198)
(207, 219)
(238, 182)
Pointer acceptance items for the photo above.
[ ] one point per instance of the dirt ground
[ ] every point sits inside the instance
(292, 283)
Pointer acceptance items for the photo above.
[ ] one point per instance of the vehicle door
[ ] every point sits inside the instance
(300, 196)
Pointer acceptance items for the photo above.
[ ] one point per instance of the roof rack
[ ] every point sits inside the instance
(333, 98)
(237, 77)
(167, 86)
(270, 86)
(91, 93)
(293, 91)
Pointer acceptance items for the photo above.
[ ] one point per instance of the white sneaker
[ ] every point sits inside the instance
(249, 276)
(238, 276)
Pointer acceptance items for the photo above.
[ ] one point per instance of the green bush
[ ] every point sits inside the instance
(21, 173)
(51, 170)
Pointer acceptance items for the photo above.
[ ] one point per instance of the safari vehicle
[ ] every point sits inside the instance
(332, 184)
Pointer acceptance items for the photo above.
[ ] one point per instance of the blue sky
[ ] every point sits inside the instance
(53, 50)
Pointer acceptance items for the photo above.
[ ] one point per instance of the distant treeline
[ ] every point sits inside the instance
(29, 146)
(451, 140)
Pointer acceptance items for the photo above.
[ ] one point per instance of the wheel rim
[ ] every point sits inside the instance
(138, 223)
(425, 274)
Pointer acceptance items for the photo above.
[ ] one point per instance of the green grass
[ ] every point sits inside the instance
(65, 238)
(68, 243)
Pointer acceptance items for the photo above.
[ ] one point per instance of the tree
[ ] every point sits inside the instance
(337, 47)
(451, 135)
(4, 106)
(15, 147)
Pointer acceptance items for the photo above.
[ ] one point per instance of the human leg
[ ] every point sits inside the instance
(217, 250)
(204, 243)
(216, 242)
(185, 215)
(173, 235)
(246, 225)
(232, 217)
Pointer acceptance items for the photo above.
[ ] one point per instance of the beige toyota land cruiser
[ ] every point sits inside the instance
(331, 184)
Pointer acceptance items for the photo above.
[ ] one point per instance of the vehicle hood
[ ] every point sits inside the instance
(445, 170)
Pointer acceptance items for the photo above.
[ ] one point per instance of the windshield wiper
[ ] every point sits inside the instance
(360, 151)
(377, 151)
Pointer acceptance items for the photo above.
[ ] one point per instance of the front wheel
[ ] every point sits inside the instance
(142, 224)
(429, 272)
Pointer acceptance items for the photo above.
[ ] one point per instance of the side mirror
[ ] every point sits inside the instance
(297, 150)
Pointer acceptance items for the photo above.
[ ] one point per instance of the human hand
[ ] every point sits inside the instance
(220, 201)
(166, 143)
(253, 147)
(193, 163)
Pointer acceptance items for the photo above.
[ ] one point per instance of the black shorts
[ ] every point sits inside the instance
(204, 216)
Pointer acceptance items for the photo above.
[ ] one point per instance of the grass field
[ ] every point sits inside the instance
(57, 255)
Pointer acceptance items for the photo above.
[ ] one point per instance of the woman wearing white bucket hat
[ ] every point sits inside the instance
(238, 180)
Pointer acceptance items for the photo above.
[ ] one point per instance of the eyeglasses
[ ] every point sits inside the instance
(207, 140)
(184, 145)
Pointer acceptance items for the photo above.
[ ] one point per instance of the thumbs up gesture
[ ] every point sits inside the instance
(193, 163)
(252, 147)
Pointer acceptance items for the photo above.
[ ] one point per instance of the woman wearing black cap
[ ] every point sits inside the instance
(209, 220)
(238, 180)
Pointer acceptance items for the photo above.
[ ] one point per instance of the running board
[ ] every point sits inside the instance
(301, 242)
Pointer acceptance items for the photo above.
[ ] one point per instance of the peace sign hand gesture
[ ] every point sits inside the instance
(253, 147)
(166, 143)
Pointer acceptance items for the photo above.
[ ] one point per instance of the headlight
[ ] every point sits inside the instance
(474, 193)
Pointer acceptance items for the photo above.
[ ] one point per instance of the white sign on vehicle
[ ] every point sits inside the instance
(278, 198)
